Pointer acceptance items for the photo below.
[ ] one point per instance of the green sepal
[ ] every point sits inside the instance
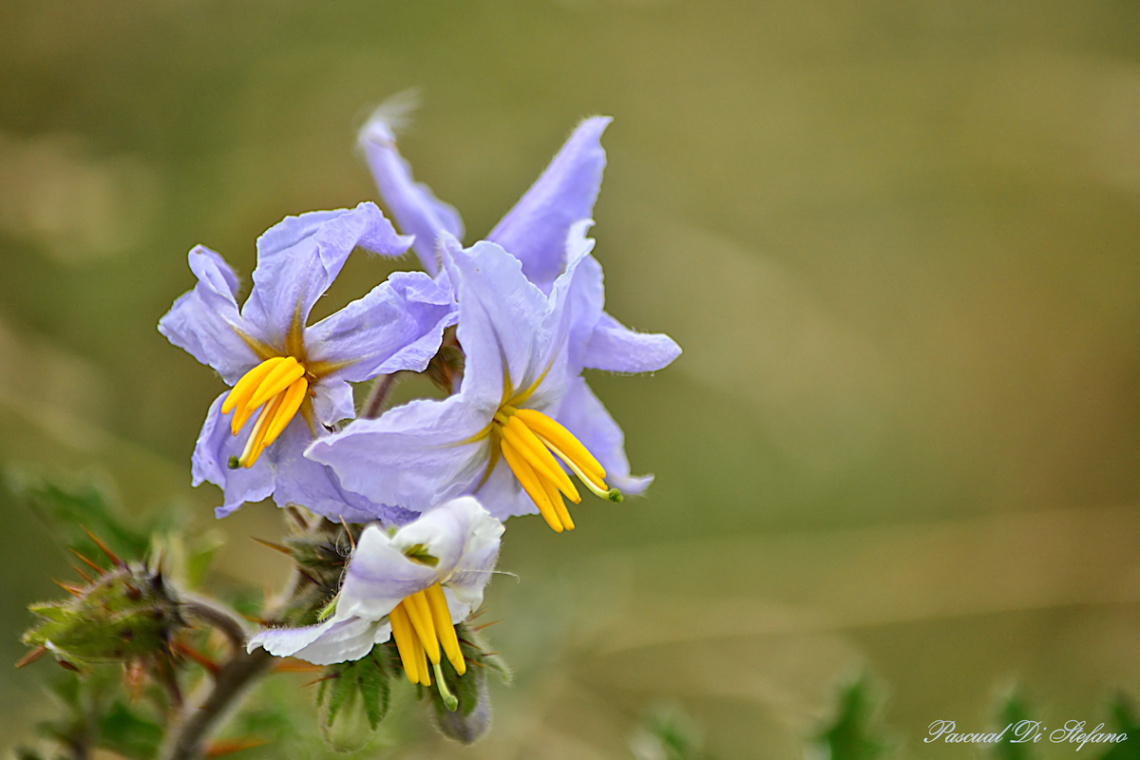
(354, 698)
(128, 613)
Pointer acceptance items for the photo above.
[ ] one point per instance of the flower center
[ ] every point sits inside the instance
(421, 626)
(529, 441)
(278, 386)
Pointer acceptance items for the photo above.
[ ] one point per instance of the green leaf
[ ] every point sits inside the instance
(1014, 709)
(1124, 721)
(123, 732)
(853, 734)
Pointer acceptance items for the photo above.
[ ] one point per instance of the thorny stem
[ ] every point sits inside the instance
(189, 731)
(381, 387)
(210, 612)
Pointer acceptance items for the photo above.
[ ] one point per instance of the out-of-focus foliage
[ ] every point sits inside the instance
(854, 732)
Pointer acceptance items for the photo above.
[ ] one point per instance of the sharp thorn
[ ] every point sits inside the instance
(229, 746)
(31, 657)
(293, 665)
(68, 666)
(110, 554)
(273, 546)
(73, 590)
(79, 571)
(316, 681)
(88, 562)
(211, 666)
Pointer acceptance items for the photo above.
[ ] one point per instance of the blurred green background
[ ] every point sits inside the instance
(897, 240)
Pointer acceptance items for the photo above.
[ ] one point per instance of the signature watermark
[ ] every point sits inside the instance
(1025, 731)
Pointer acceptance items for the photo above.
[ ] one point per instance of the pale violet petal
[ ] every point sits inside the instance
(336, 640)
(210, 462)
(380, 576)
(416, 210)
(397, 326)
(584, 416)
(298, 258)
(535, 230)
(413, 456)
(616, 348)
(205, 321)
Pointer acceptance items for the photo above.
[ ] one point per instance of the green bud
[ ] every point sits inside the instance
(353, 699)
(126, 614)
(466, 716)
(472, 719)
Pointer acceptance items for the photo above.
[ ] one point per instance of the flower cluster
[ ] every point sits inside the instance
(519, 433)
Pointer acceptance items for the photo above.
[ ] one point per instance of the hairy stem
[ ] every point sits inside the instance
(187, 740)
(212, 613)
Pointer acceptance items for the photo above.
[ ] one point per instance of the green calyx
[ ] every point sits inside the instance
(125, 614)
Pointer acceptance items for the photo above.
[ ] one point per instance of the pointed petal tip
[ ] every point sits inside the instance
(391, 116)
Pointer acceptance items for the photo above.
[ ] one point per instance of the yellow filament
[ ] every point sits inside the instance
(569, 448)
(279, 378)
(405, 638)
(278, 386)
(441, 616)
(256, 443)
(559, 505)
(538, 456)
(532, 485)
(243, 391)
(421, 662)
(417, 608)
(293, 397)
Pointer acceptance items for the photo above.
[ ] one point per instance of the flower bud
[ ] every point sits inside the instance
(127, 613)
(472, 719)
(353, 700)
(348, 728)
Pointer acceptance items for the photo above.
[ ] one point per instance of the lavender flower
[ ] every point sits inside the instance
(298, 376)
(414, 583)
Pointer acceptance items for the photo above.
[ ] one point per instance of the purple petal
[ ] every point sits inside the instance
(211, 456)
(412, 204)
(206, 323)
(315, 486)
(397, 326)
(584, 416)
(507, 323)
(334, 641)
(380, 576)
(503, 496)
(298, 259)
(616, 348)
(535, 230)
(412, 455)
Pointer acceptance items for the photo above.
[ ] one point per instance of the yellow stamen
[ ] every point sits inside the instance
(531, 484)
(278, 386)
(243, 391)
(278, 379)
(442, 619)
(556, 436)
(420, 616)
(256, 443)
(532, 443)
(405, 638)
(293, 397)
(538, 456)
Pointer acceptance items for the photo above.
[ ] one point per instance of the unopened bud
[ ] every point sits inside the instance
(126, 614)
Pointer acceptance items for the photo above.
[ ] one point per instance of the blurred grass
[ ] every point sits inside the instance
(897, 241)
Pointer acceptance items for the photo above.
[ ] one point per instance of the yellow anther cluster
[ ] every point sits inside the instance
(421, 626)
(278, 386)
(530, 441)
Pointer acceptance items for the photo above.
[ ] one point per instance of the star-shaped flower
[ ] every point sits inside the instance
(414, 583)
(522, 412)
(299, 376)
